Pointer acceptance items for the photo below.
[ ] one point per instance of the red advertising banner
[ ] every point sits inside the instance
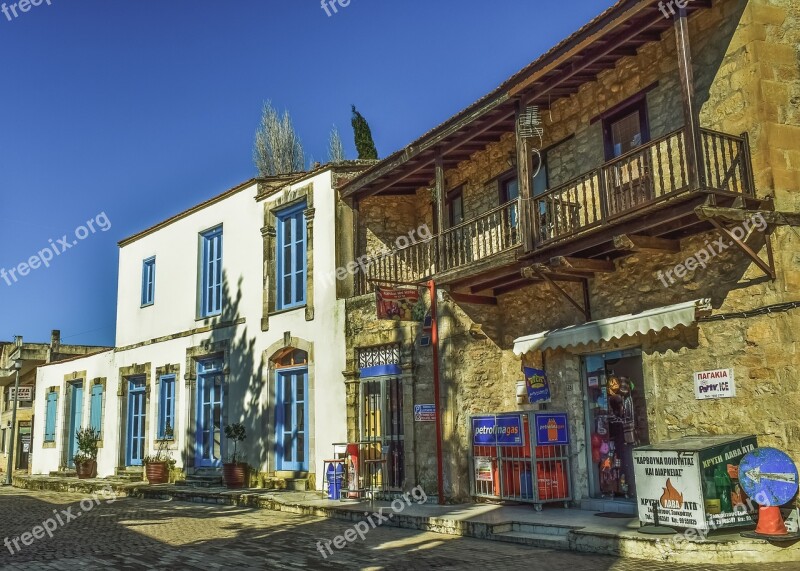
(396, 303)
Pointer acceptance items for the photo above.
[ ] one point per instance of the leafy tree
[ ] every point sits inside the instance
(335, 147)
(363, 136)
(278, 149)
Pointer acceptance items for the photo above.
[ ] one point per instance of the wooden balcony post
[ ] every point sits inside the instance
(439, 262)
(691, 120)
(525, 182)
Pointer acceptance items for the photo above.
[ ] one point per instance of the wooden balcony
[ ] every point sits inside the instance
(581, 216)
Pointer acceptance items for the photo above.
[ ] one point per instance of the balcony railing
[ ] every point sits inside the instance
(651, 174)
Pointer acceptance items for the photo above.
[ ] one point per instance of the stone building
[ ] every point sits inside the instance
(29, 356)
(621, 211)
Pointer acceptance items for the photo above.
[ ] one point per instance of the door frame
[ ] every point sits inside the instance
(140, 392)
(74, 424)
(202, 375)
(280, 463)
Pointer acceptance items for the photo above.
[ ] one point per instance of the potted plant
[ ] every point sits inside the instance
(234, 472)
(86, 458)
(157, 467)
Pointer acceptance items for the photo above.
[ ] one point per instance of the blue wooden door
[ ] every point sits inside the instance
(76, 406)
(136, 422)
(210, 438)
(291, 416)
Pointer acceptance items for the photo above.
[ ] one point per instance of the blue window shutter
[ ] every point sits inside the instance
(148, 281)
(50, 418)
(166, 409)
(96, 408)
(291, 256)
(211, 302)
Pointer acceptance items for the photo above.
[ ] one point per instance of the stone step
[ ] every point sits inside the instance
(297, 484)
(552, 531)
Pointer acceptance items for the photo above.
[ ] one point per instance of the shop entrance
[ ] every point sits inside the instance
(616, 420)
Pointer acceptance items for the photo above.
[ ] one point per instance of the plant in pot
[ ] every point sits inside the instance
(86, 458)
(158, 466)
(234, 472)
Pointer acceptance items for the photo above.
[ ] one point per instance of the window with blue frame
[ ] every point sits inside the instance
(166, 407)
(96, 408)
(50, 417)
(211, 294)
(148, 281)
(291, 258)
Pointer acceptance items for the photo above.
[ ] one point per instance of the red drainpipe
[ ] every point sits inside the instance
(436, 395)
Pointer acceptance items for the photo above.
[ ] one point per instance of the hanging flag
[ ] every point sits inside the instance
(396, 303)
(537, 384)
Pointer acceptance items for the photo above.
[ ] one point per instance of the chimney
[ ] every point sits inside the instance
(55, 338)
(18, 340)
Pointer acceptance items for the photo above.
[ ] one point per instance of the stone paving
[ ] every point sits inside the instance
(131, 534)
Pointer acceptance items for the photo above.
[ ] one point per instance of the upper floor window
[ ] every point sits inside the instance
(627, 129)
(148, 281)
(166, 407)
(211, 288)
(50, 417)
(509, 188)
(455, 206)
(291, 266)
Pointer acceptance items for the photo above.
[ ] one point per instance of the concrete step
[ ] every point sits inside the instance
(297, 484)
(532, 528)
(545, 540)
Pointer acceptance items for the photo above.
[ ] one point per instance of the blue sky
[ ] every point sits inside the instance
(140, 109)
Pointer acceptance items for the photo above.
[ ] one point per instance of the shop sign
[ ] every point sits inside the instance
(497, 430)
(483, 469)
(26, 443)
(551, 428)
(396, 303)
(425, 412)
(25, 393)
(537, 384)
(718, 384)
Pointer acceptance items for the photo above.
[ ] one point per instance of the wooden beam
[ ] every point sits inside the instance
(483, 277)
(637, 243)
(541, 271)
(473, 299)
(569, 264)
(441, 222)
(495, 283)
(691, 118)
(739, 215)
(513, 286)
(767, 267)
(524, 181)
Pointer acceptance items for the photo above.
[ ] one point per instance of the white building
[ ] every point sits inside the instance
(226, 313)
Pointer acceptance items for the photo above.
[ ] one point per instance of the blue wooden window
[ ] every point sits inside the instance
(148, 281)
(166, 407)
(211, 303)
(96, 408)
(50, 417)
(291, 266)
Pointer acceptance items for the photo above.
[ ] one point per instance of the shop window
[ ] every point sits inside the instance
(50, 417)
(211, 293)
(291, 258)
(148, 282)
(166, 407)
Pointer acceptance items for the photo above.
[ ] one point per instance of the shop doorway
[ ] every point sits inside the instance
(23, 446)
(616, 420)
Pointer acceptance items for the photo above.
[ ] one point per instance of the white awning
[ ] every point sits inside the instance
(657, 319)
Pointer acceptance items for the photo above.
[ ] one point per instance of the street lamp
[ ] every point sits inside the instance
(17, 367)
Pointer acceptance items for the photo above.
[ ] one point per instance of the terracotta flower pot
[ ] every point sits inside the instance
(87, 469)
(157, 472)
(234, 474)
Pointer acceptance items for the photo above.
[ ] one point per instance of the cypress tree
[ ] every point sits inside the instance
(363, 136)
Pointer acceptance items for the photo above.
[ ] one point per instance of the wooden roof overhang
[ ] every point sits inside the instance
(598, 46)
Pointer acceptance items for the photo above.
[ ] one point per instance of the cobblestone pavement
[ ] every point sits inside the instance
(132, 534)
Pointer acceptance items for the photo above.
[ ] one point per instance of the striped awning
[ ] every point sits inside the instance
(667, 317)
